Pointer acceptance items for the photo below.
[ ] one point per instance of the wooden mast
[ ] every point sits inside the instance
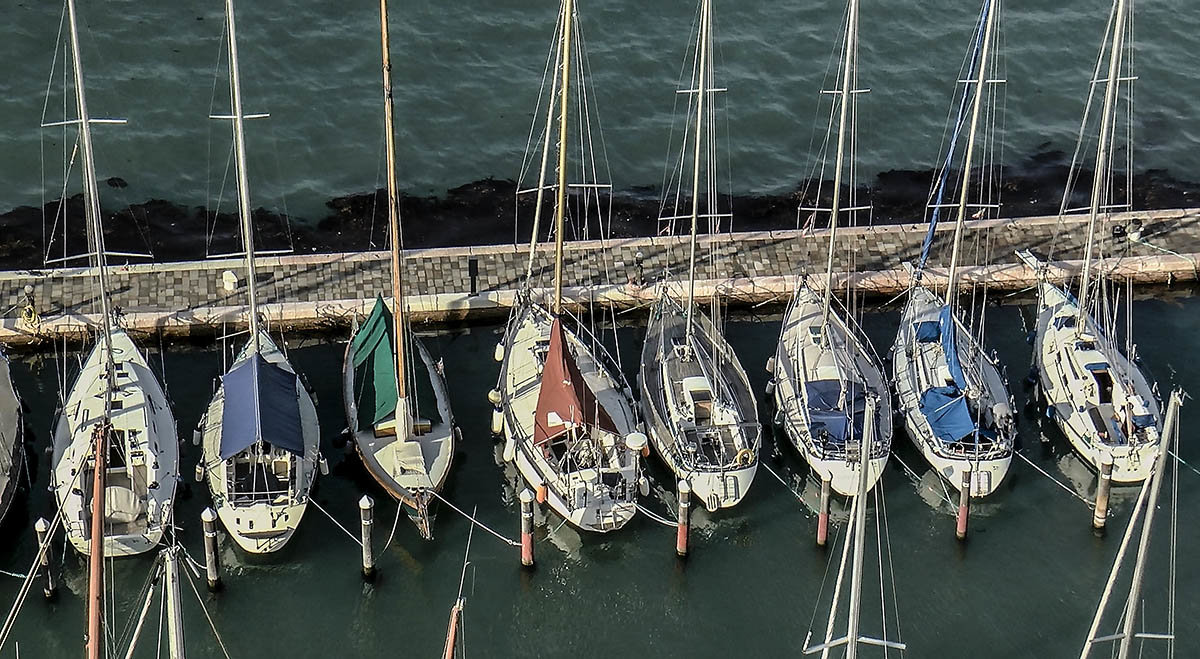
(95, 601)
(561, 190)
(239, 140)
(702, 45)
(980, 81)
(1100, 174)
(848, 65)
(394, 227)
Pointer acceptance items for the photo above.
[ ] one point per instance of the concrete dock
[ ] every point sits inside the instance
(326, 290)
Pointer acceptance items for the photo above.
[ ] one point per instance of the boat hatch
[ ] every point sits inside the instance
(700, 398)
(1064, 321)
(1104, 382)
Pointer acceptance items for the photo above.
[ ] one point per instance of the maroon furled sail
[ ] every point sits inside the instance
(565, 393)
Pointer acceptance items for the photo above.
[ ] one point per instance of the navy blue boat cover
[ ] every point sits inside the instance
(950, 346)
(260, 403)
(827, 411)
(946, 410)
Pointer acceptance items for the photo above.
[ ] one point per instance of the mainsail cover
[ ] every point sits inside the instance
(373, 352)
(261, 403)
(564, 393)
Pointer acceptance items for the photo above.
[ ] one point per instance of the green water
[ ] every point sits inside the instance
(1025, 584)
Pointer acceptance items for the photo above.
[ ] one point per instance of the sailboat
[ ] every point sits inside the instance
(409, 455)
(952, 396)
(1095, 392)
(1135, 609)
(566, 413)
(12, 436)
(699, 409)
(259, 435)
(116, 449)
(824, 368)
(856, 541)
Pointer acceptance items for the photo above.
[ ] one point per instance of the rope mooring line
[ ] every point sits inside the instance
(1089, 502)
(474, 521)
(781, 481)
(337, 523)
(655, 516)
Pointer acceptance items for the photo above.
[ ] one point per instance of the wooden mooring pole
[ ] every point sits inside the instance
(1100, 516)
(964, 504)
(681, 535)
(366, 509)
(526, 498)
(42, 527)
(212, 564)
(823, 513)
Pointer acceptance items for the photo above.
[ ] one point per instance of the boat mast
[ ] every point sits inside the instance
(239, 141)
(393, 217)
(561, 191)
(1100, 174)
(860, 527)
(95, 605)
(980, 81)
(175, 647)
(702, 87)
(1139, 567)
(848, 65)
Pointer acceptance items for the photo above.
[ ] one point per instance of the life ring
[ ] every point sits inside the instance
(744, 457)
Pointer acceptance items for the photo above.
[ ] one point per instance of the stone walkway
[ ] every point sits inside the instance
(439, 280)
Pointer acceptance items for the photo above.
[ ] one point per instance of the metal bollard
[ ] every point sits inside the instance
(681, 535)
(526, 498)
(366, 509)
(823, 513)
(42, 527)
(1100, 516)
(212, 564)
(964, 504)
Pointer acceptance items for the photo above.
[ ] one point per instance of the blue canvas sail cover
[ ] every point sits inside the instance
(829, 416)
(946, 410)
(950, 346)
(261, 403)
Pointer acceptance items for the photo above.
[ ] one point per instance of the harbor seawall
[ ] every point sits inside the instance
(315, 291)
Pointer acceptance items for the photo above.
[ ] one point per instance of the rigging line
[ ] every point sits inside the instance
(474, 521)
(203, 607)
(781, 481)
(337, 523)
(891, 567)
(917, 480)
(1057, 482)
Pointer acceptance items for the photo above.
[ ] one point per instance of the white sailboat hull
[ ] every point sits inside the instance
(12, 437)
(580, 496)
(261, 526)
(1091, 412)
(717, 455)
(389, 459)
(143, 463)
(800, 360)
(918, 366)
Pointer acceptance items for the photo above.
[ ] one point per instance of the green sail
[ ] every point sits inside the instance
(375, 361)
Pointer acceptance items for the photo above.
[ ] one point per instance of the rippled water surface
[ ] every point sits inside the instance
(467, 76)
